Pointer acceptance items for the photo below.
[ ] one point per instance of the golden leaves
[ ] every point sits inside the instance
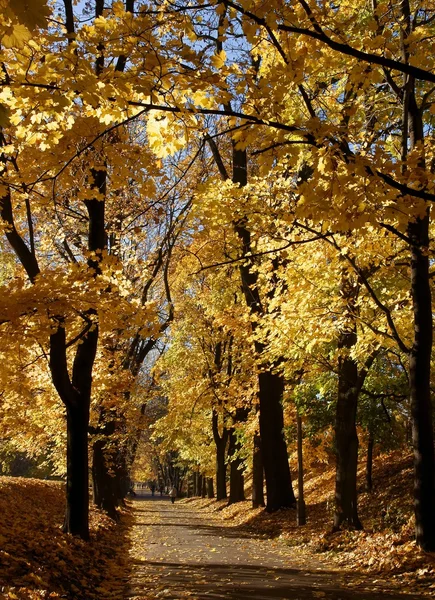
(19, 19)
(218, 60)
(38, 560)
(32, 13)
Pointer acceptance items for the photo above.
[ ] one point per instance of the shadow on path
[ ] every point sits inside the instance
(182, 556)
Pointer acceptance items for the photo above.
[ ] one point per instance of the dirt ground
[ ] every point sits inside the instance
(178, 552)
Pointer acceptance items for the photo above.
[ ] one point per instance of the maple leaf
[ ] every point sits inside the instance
(31, 13)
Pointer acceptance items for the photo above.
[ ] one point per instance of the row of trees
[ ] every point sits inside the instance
(252, 181)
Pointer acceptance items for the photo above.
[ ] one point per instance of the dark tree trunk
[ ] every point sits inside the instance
(369, 462)
(122, 475)
(204, 487)
(221, 473)
(279, 489)
(301, 512)
(77, 482)
(104, 467)
(221, 467)
(210, 489)
(420, 353)
(104, 483)
(237, 487)
(76, 395)
(257, 474)
(346, 439)
(419, 375)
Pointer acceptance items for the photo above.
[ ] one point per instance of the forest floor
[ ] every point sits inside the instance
(202, 549)
(38, 561)
(384, 551)
(181, 551)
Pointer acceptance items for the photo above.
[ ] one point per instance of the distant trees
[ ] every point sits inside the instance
(263, 211)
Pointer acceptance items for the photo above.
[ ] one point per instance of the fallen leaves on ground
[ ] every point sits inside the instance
(37, 560)
(385, 549)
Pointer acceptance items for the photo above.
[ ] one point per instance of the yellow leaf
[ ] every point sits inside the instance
(16, 38)
(218, 60)
(31, 13)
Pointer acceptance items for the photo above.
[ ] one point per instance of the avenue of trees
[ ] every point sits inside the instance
(216, 222)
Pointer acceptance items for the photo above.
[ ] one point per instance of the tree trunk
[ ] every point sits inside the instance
(104, 467)
(122, 475)
(301, 512)
(104, 483)
(204, 487)
(346, 439)
(237, 487)
(419, 375)
(77, 482)
(199, 485)
(279, 489)
(369, 462)
(420, 353)
(257, 474)
(221, 467)
(210, 489)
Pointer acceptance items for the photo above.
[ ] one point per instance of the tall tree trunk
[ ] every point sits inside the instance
(190, 484)
(104, 483)
(369, 461)
(77, 482)
(200, 479)
(301, 511)
(210, 489)
(257, 474)
(204, 487)
(419, 375)
(221, 467)
(76, 395)
(104, 465)
(279, 491)
(237, 487)
(420, 353)
(346, 439)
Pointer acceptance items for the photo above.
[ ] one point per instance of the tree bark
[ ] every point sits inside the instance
(301, 511)
(221, 467)
(419, 375)
(420, 353)
(369, 462)
(199, 491)
(279, 491)
(257, 474)
(104, 484)
(346, 439)
(210, 489)
(237, 487)
(77, 482)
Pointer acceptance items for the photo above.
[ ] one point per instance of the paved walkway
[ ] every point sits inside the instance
(178, 553)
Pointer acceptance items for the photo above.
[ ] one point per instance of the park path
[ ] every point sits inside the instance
(179, 553)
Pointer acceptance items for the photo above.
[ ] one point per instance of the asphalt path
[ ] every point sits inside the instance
(178, 552)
